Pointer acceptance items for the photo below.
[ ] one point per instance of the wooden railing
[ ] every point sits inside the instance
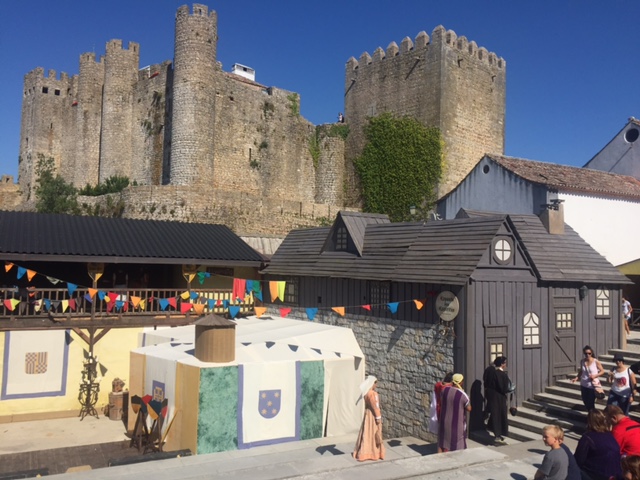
(52, 303)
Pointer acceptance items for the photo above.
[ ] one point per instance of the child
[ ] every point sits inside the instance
(555, 465)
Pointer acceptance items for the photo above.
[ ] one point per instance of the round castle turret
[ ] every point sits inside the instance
(193, 96)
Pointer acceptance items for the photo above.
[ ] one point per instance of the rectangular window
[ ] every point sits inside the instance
(564, 320)
(291, 291)
(496, 350)
(341, 239)
(379, 294)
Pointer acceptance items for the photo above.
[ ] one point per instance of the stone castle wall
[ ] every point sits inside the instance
(443, 81)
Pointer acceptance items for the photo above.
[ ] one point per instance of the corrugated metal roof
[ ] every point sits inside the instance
(565, 178)
(442, 252)
(79, 238)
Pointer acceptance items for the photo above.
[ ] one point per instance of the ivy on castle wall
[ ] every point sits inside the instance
(400, 167)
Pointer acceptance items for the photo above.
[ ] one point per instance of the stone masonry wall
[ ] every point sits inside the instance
(407, 358)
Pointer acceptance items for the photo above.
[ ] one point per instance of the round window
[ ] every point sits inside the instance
(502, 250)
(485, 169)
(631, 135)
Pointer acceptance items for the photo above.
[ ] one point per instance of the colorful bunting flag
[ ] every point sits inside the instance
(366, 307)
(393, 306)
(101, 295)
(273, 289)
(419, 304)
(92, 292)
(72, 287)
(199, 308)
(173, 302)
(225, 304)
(238, 290)
(185, 295)
(233, 311)
(47, 304)
(311, 313)
(284, 312)
(31, 274)
(135, 301)
(88, 298)
(164, 303)
(21, 272)
(143, 304)
(72, 304)
(185, 307)
(53, 280)
(211, 303)
(11, 303)
(8, 266)
(338, 310)
(281, 289)
(259, 311)
(195, 295)
(65, 305)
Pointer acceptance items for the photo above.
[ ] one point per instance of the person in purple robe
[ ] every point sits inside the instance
(452, 421)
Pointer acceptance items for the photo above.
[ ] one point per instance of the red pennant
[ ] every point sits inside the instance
(367, 307)
(284, 312)
(185, 307)
(218, 303)
(173, 302)
(72, 303)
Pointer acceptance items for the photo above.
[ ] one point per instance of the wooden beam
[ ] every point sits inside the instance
(102, 333)
(82, 335)
(76, 323)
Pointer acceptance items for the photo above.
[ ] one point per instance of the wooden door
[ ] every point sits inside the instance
(563, 338)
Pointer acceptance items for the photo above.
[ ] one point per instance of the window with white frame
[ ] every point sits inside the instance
(496, 349)
(531, 330)
(603, 303)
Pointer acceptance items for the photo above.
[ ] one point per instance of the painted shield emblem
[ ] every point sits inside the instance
(269, 403)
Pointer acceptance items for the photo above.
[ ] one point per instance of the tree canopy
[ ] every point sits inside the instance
(53, 193)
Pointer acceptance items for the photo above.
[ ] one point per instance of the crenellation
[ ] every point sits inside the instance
(406, 45)
(421, 40)
(482, 53)
(378, 55)
(450, 37)
(365, 59)
(462, 43)
(392, 50)
(473, 48)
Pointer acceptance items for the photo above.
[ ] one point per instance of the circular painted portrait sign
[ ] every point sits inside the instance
(447, 306)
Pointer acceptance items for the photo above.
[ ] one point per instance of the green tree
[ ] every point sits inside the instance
(53, 193)
(400, 167)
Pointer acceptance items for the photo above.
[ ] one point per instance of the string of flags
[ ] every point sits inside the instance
(243, 291)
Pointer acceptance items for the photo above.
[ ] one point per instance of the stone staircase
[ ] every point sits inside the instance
(561, 404)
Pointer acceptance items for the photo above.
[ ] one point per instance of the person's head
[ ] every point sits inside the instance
(613, 413)
(596, 421)
(500, 362)
(552, 435)
(457, 380)
(588, 351)
(448, 378)
(618, 359)
(631, 467)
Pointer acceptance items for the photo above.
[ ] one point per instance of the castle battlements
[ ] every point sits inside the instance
(198, 9)
(36, 81)
(116, 45)
(90, 57)
(439, 35)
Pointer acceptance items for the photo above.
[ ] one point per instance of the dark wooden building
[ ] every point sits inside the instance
(523, 286)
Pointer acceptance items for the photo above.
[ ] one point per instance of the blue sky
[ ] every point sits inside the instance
(572, 65)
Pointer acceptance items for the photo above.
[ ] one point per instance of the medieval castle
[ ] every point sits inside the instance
(206, 145)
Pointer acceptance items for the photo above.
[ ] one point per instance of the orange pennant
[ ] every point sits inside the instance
(92, 292)
(260, 311)
(31, 274)
(338, 310)
(135, 301)
(419, 304)
(199, 308)
(273, 289)
(8, 266)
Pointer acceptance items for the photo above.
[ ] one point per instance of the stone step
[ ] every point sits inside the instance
(573, 413)
(532, 427)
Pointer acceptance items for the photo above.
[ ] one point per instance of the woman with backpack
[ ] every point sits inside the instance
(623, 383)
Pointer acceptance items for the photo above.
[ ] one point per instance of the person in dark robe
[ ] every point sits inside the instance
(496, 386)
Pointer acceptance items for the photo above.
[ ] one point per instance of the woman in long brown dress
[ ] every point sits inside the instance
(369, 445)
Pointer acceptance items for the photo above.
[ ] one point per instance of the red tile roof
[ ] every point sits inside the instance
(571, 179)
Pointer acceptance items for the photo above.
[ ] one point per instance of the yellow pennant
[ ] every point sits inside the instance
(142, 304)
(65, 305)
(189, 277)
(31, 274)
(338, 310)
(419, 304)
(260, 311)
(281, 290)
(14, 303)
(97, 275)
(185, 295)
(37, 305)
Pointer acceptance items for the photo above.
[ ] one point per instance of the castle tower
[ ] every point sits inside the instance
(193, 96)
(88, 107)
(120, 76)
(445, 82)
(45, 119)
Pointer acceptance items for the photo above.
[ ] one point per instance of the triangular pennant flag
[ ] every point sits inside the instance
(233, 311)
(37, 305)
(260, 311)
(199, 308)
(317, 350)
(101, 295)
(56, 304)
(269, 344)
(164, 303)
(92, 292)
(293, 348)
(338, 310)
(258, 295)
(218, 302)
(246, 344)
(419, 304)
(195, 295)
(201, 277)
(143, 304)
(85, 354)
(273, 289)
(72, 287)
(366, 307)
(103, 369)
(72, 304)
(338, 354)
(185, 307)
(119, 304)
(8, 266)
(21, 272)
(393, 306)
(185, 295)
(281, 289)
(257, 286)
(311, 313)
(47, 304)
(135, 301)
(54, 280)
(67, 337)
(211, 303)
(88, 298)
(284, 312)
(225, 303)
(249, 286)
(65, 305)
(238, 288)
(173, 302)
(9, 305)
(98, 275)
(31, 274)
(112, 296)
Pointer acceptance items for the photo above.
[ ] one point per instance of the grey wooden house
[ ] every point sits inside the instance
(523, 286)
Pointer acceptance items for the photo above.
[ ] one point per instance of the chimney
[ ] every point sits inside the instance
(552, 216)
(215, 339)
